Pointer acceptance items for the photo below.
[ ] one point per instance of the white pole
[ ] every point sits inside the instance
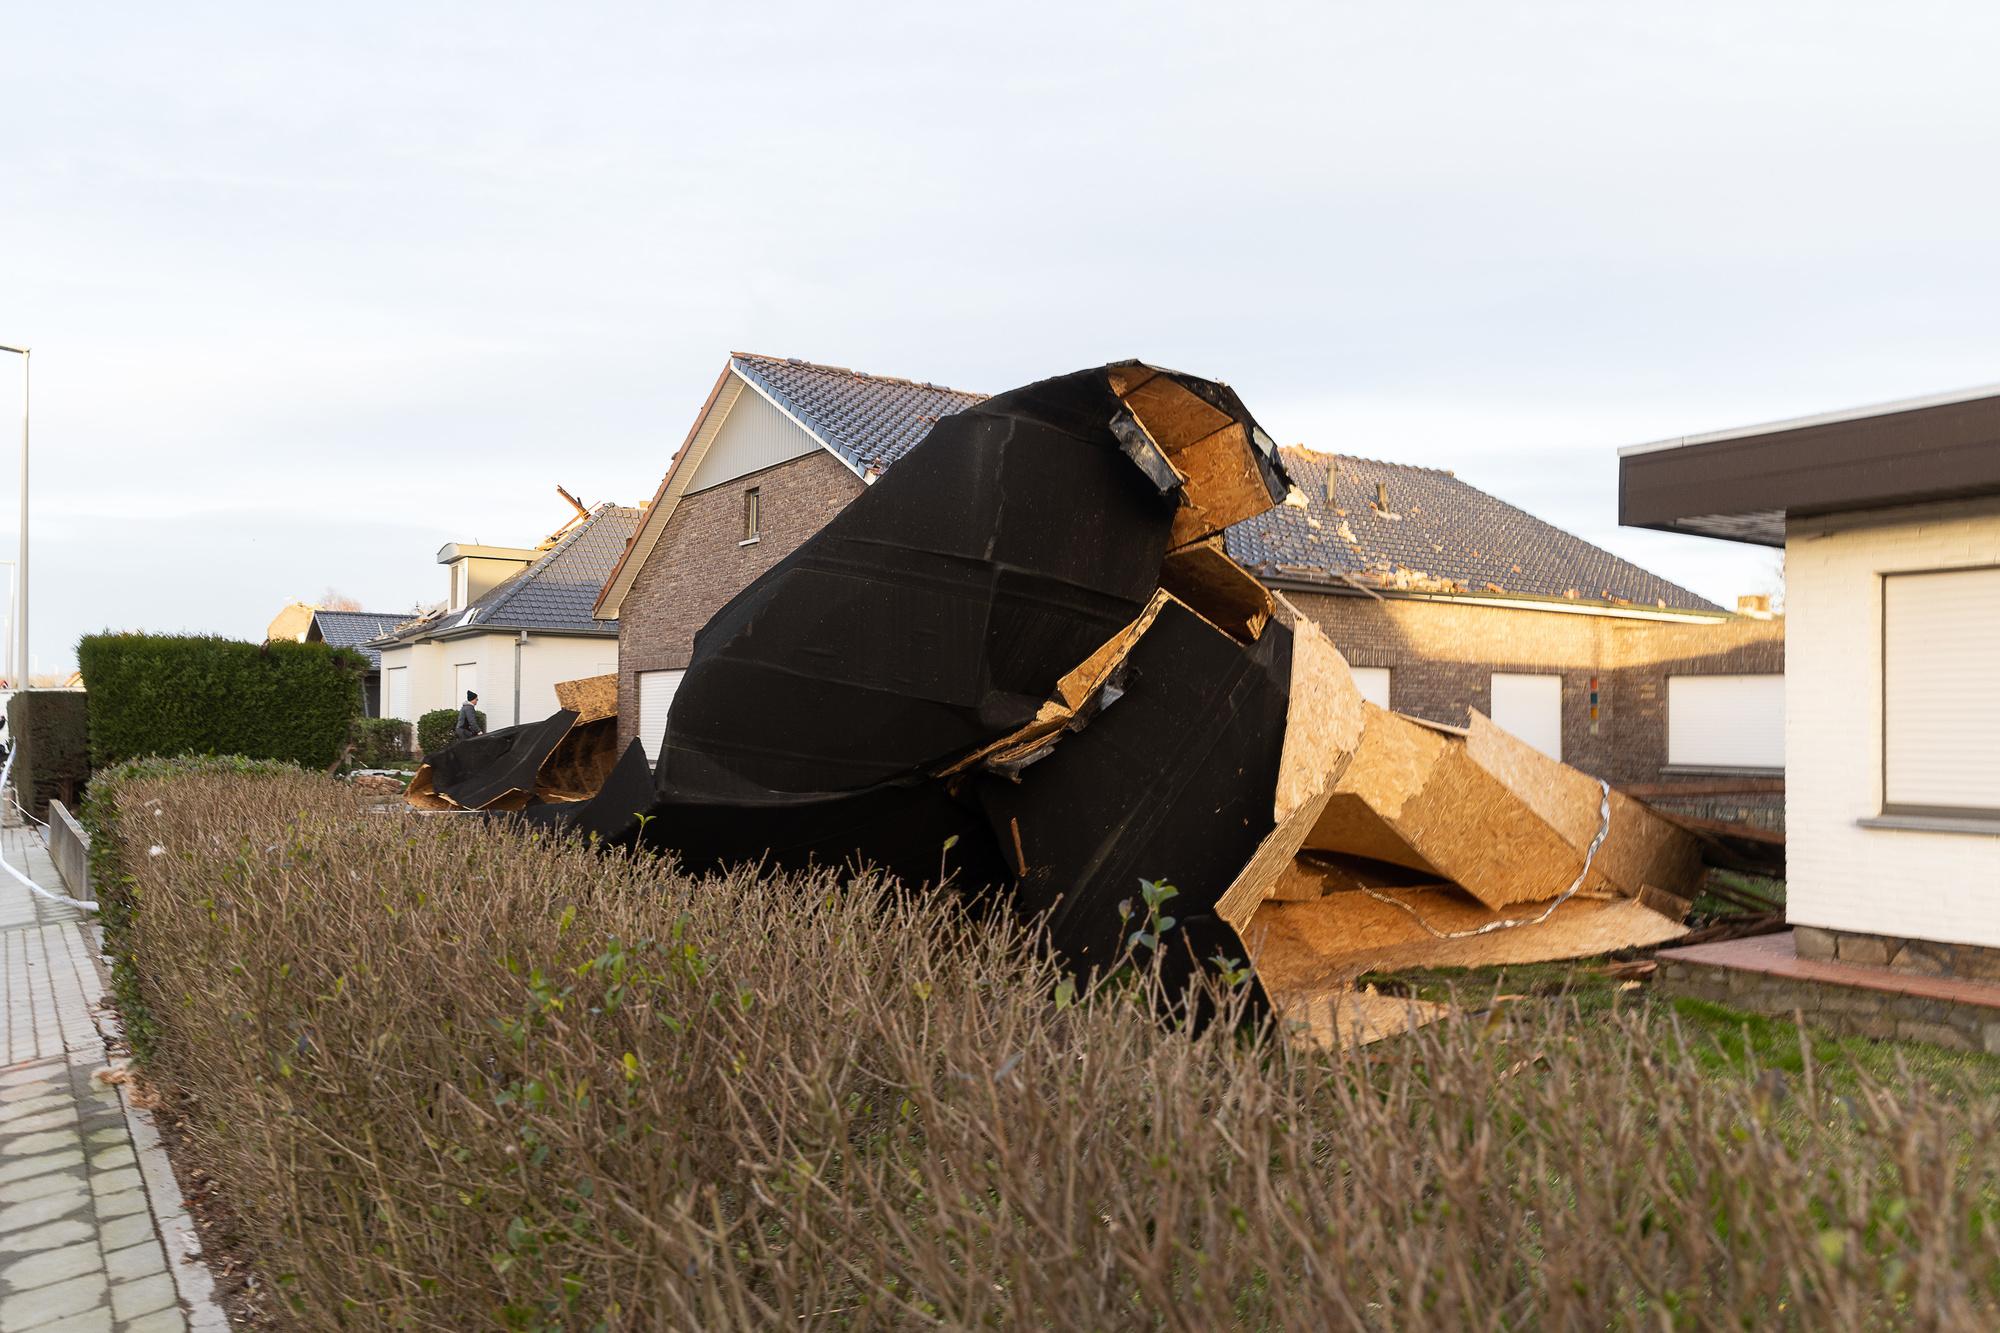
(21, 662)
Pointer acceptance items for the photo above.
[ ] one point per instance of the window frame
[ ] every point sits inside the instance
(753, 515)
(1904, 814)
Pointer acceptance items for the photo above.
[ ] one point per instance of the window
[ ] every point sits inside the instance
(1374, 683)
(460, 578)
(1726, 721)
(1941, 692)
(1531, 708)
(750, 524)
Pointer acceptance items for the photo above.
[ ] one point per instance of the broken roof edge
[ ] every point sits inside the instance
(1339, 583)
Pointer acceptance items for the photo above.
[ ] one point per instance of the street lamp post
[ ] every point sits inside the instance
(21, 664)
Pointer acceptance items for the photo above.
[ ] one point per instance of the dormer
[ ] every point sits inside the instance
(476, 570)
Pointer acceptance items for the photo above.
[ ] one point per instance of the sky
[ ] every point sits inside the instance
(316, 289)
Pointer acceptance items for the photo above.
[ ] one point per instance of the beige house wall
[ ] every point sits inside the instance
(1842, 875)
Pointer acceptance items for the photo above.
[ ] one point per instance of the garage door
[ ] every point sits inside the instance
(1531, 708)
(1726, 721)
(656, 696)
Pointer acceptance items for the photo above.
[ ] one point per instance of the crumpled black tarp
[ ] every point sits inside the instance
(935, 615)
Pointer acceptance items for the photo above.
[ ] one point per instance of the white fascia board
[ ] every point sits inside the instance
(1818, 419)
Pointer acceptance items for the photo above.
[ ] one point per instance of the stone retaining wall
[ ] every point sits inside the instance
(1847, 1010)
(1929, 958)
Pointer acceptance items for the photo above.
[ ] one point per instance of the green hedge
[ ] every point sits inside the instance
(164, 694)
(381, 742)
(50, 733)
(434, 729)
(111, 879)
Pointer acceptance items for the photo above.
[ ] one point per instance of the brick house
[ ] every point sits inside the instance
(1442, 596)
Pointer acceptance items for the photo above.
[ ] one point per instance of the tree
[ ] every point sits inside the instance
(335, 600)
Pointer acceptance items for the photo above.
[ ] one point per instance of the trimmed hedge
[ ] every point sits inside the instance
(434, 729)
(111, 878)
(50, 733)
(167, 694)
(381, 742)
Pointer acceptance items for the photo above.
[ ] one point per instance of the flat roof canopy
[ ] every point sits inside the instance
(1742, 485)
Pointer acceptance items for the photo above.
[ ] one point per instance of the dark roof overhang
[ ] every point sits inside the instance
(1743, 485)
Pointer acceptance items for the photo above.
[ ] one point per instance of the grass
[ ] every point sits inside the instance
(1724, 1042)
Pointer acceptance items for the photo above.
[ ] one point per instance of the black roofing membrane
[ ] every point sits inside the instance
(935, 615)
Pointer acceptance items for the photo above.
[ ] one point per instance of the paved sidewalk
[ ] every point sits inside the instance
(93, 1236)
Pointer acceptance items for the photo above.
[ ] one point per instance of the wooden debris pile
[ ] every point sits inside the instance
(1023, 662)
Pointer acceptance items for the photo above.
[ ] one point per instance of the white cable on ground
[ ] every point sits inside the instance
(6, 771)
(1603, 831)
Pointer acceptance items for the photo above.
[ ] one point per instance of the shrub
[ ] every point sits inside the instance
(111, 878)
(161, 694)
(434, 729)
(452, 1074)
(50, 734)
(381, 742)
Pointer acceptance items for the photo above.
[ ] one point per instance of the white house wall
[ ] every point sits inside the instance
(545, 660)
(755, 435)
(1841, 875)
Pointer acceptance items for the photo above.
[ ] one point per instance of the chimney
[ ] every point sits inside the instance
(1382, 496)
(1332, 477)
(1756, 605)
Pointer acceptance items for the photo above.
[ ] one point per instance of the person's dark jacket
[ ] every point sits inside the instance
(468, 722)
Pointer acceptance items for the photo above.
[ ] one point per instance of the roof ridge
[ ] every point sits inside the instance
(803, 364)
(1311, 452)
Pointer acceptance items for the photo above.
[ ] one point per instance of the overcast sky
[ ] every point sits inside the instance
(315, 289)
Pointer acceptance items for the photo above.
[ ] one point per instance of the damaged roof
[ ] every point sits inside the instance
(869, 420)
(554, 594)
(1435, 533)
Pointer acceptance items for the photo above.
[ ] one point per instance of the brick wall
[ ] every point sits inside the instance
(700, 563)
(1442, 655)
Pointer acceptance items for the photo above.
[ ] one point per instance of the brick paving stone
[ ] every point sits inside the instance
(31, 1309)
(79, 1244)
(46, 1266)
(129, 1300)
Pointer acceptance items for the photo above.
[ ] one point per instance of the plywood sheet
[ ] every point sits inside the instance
(1273, 860)
(1323, 718)
(590, 697)
(1342, 1017)
(1228, 595)
(1299, 947)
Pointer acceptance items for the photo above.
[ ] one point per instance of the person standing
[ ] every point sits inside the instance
(468, 724)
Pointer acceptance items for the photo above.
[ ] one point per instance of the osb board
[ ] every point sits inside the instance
(590, 697)
(1323, 718)
(1204, 577)
(1072, 692)
(1641, 848)
(1392, 762)
(1274, 859)
(1300, 947)
(1348, 824)
(1223, 483)
(421, 795)
(1334, 872)
(1342, 1017)
(1483, 837)
(1564, 797)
